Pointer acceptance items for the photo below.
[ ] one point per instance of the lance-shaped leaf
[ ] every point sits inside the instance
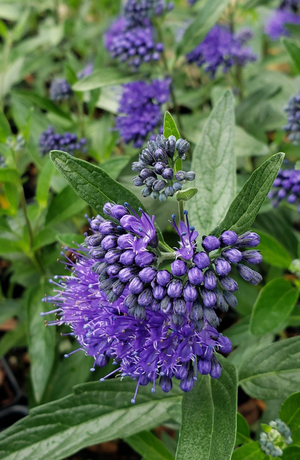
(105, 77)
(247, 203)
(214, 165)
(208, 430)
(91, 183)
(95, 413)
(170, 128)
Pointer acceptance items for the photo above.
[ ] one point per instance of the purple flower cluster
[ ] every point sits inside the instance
(275, 26)
(50, 140)
(156, 168)
(286, 187)
(60, 90)
(138, 12)
(140, 109)
(293, 119)
(292, 5)
(154, 323)
(133, 45)
(222, 49)
(87, 70)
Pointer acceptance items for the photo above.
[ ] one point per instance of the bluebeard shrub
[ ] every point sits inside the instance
(154, 323)
(60, 90)
(68, 142)
(140, 111)
(137, 12)
(222, 49)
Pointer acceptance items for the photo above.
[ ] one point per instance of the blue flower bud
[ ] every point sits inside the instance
(190, 175)
(165, 384)
(98, 253)
(187, 384)
(178, 268)
(107, 208)
(181, 372)
(127, 258)
(138, 312)
(108, 228)
(137, 166)
(159, 167)
(113, 256)
(109, 242)
(211, 317)
(147, 274)
(99, 267)
(196, 311)
(160, 155)
(118, 211)
(182, 146)
(179, 306)
(210, 280)
(171, 146)
(246, 273)
(216, 369)
(162, 197)
(169, 191)
(189, 292)
(180, 176)
(147, 172)
(159, 292)
(145, 258)
(228, 283)
(248, 239)
(118, 288)
(94, 240)
(175, 289)
(228, 238)
(138, 181)
(136, 286)
(155, 305)
(204, 366)
(177, 320)
(210, 243)
(163, 277)
(222, 266)
(221, 302)
(230, 299)
(224, 344)
(145, 298)
(209, 298)
(114, 269)
(146, 191)
(201, 259)
(106, 285)
(195, 276)
(233, 255)
(125, 241)
(166, 305)
(177, 186)
(168, 174)
(127, 273)
(252, 257)
(155, 195)
(159, 185)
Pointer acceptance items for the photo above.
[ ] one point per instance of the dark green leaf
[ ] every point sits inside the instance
(5, 130)
(208, 428)
(290, 414)
(63, 206)
(273, 252)
(214, 165)
(41, 343)
(274, 303)
(170, 128)
(239, 332)
(114, 166)
(95, 413)
(250, 451)
(204, 21)
(9, 308)
(249, 348)
(247, 203)
(294, 52)
(46, 236)
(43, 183)
(149, 446)
(273, 372)
(105, 77)
(242, 431)
(291, 453)
(12, 338)
(91, 183)
(9, 175)
(41, 102)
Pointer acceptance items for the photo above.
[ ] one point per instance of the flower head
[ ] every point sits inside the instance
(60, 90)
(278, 433)
(140, 110)
(275, 26)
(293, 119)
(139, 12)
(155, 324)
(156, 168)
(221, 48)
(50, 140)
(286, 187)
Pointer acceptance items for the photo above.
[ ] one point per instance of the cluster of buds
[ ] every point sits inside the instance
(279, 432)
(60, 90)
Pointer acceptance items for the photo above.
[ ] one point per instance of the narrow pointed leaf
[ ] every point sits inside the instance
(170, 128)
(149, 446)
(104, 77)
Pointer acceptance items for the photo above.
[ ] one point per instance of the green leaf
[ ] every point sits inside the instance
(242, 431)
(238, 332)
(204, 21)
(91, 183)
(249, 348)
(12, 338)
(291, 453)
(246, 145)
(9, 175)
(114, 166)
(274, 304)
(250, 451)
(68, 239)
(46, 236)
(9, 308)
(5, 130)
(63, 206)
(294, 52)
(170, 128)
(247, 203)
(290, 414)
(95, 413)
(273, 252)
(149, 446)
(273, 372)
(187, 194)
(105, 77)
(41, 343)
(43, 183)
(208, 428)
(214, 165)
(41, 102)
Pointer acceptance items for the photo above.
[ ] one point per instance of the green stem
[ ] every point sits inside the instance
(180, 210)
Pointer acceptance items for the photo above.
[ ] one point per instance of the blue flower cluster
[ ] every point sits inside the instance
(156, 324)
(222, 49)
(275, 26)
(293, 119)
(280, 432)
(50, 140)
(286, 187)
(60, 90)
(156, 168)
(140, 109)
(138, 12)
